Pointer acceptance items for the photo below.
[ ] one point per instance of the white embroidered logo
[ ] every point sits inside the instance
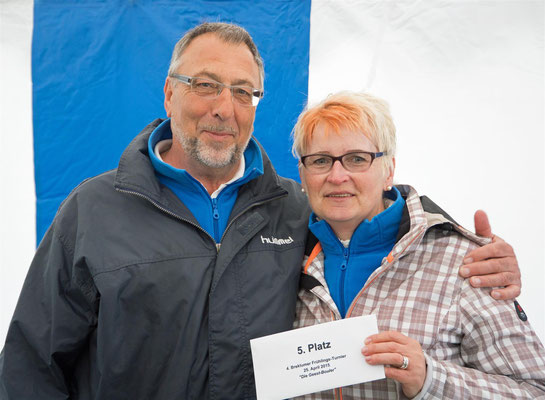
(276, 241)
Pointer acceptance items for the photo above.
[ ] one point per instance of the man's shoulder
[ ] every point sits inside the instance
(95, 184)
(94, 190)
(294, 189)
(289, 184)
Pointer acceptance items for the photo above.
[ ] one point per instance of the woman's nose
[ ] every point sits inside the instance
(337, 174)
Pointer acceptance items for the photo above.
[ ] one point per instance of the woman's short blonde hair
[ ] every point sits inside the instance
(361, 113)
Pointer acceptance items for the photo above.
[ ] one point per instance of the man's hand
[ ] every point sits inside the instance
(494, 264)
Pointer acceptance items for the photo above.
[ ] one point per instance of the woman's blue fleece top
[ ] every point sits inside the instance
(211, 214)
(348, 268)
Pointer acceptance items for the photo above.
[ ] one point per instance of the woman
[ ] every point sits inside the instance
(384, 250)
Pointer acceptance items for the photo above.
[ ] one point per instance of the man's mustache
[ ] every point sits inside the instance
(218, 129)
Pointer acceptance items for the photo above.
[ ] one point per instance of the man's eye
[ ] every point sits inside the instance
(205, 85)
(241, 92)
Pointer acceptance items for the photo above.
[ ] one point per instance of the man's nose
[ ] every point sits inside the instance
(224, 108)
(337, 174)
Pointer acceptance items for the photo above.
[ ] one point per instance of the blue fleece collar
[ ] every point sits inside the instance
(369, 234)
(252, 158)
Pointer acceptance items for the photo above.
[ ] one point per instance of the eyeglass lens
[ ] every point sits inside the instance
(354, 162)
(242, 94)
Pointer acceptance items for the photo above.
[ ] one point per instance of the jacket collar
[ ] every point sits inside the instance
(369, 235)
(135, 174)
(135, 171)
(252, 160)
(420, 215)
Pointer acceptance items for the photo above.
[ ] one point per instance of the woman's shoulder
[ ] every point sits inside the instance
(423, 214)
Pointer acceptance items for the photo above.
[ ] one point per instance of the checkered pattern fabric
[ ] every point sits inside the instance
(475, 346)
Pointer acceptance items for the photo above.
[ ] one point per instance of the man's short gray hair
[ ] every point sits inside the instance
(230, 33)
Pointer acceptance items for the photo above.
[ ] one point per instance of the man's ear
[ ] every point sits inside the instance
(168, 95)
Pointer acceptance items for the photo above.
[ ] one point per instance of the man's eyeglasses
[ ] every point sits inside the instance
(356, 161)
(244, 95)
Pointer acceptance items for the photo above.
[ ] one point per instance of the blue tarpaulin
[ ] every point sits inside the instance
(98, 70)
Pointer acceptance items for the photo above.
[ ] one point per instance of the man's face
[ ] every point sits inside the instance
(211, 132)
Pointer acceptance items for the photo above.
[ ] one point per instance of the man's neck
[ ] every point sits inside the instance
(210, 178)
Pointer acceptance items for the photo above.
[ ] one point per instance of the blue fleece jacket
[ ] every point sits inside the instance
(211, 214)
(348, 268)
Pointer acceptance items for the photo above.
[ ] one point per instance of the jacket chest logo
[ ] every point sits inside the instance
(276, 241)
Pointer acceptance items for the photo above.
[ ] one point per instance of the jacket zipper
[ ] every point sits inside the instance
(218, 245)
(216, 216)
(343, 277)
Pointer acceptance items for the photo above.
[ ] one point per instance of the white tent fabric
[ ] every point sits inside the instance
(465, 81)
(17, 202)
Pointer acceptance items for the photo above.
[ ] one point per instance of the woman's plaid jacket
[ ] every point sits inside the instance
(475, 346)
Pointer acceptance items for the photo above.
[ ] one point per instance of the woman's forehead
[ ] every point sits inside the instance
(325, 136)
(327, 133)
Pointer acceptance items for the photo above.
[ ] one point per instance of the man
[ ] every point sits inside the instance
(153, 277)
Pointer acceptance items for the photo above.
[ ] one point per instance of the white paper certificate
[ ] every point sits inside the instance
(313, 359)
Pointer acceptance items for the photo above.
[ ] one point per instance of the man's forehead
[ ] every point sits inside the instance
(209, 43)
(219, 59)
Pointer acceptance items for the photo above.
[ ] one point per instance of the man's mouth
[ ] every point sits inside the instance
(218, 130)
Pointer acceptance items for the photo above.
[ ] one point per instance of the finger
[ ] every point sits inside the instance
(492, 266)
(497, 249)
(381, 348)
(482, 225)
(387, 336)
(495, 280)
(393, 359)
(510, 292)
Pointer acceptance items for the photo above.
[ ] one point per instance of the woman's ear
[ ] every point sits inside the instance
(302, 176)
(389, 181)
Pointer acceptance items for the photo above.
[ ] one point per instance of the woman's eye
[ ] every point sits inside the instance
(321, 161)
(356, 159)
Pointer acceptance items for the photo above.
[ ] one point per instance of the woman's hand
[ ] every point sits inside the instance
(389, 348)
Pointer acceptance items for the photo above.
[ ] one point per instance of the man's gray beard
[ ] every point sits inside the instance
(208, 155)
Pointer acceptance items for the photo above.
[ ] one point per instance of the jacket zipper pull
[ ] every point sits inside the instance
(215, 211)
(216, 217)
(343, 277)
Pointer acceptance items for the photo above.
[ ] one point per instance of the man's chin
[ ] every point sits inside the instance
(221, 158)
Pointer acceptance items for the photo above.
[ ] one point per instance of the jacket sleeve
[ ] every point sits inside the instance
(54, 316)
(502, 355)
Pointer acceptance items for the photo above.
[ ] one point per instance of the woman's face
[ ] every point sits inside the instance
(344, 199)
